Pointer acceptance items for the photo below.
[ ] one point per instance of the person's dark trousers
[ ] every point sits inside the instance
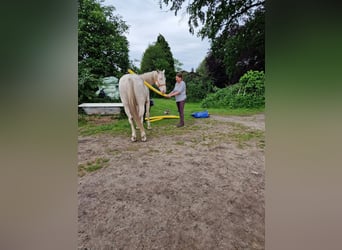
(180, 106)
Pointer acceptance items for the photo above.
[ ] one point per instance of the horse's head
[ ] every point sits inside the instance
(161, 81)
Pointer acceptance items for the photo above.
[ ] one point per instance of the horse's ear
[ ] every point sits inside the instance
(163, 70)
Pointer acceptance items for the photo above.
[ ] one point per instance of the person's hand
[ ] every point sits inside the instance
(167, 96)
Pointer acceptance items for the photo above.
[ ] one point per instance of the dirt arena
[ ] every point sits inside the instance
(197, 187)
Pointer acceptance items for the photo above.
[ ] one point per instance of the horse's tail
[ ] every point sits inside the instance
(132, 102)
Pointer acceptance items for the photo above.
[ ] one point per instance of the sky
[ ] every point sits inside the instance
(146, 21)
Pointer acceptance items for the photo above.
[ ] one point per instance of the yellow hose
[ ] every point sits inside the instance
(149, 85)
(154, 120)
(161, 117)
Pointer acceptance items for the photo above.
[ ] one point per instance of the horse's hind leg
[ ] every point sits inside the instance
(134, 135)
(131, 122)
(140, 123)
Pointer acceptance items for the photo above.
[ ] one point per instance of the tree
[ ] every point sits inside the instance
(153, 59)
(159, 57)
(242, 48)
(236, 30)
(102, 46)
(170, 67)
(178, 65)
(133, 67)
(216, 70)
(215, 15)
(198, 83)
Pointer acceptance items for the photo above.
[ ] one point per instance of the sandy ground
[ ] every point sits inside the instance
(201, 187)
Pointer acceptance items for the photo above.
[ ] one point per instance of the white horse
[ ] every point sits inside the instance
(135, 96)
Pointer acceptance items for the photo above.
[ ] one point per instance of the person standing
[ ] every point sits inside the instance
(180, 94)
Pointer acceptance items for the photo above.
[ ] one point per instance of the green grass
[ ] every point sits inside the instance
(242, 137)
(92, 166)
(237, 112)
(163, 104)
(180, 143)
(120, 126)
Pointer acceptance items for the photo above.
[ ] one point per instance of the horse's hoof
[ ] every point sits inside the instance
(149, 127)
(143, 138)
(133, 139)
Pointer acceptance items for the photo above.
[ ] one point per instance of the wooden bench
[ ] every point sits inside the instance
(101, 108)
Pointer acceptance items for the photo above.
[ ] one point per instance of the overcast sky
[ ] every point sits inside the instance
(146, 21)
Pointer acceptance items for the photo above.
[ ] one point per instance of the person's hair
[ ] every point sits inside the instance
(180, 75)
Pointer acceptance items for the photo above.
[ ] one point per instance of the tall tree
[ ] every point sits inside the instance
(242, 48)
(102, 46)
(235, 29)
(159, 56)
(170, 67)
(178, 65)
(215, 16)
(237, 51)
(216, 70)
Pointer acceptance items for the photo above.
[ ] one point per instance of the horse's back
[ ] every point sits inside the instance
(132, 84)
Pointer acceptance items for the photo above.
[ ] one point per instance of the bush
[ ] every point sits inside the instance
(197, 87)
(249, 92)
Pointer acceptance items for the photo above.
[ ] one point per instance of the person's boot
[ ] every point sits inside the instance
(181, 123)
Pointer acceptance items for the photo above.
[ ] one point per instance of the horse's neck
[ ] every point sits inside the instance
(148, 77)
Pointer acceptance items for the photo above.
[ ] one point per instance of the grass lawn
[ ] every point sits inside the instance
(87, 124)
(160, 105)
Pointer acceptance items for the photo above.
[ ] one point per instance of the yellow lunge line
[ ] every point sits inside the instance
(154, 120)
(149, 85)
(161, 117)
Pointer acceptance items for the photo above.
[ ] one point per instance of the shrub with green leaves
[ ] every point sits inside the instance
(249, 92)
(197, 86)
